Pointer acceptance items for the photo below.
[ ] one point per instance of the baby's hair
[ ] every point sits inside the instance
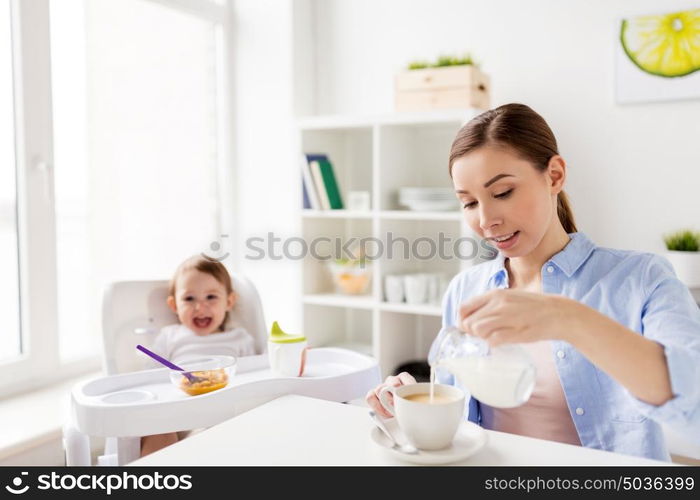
(211, 267)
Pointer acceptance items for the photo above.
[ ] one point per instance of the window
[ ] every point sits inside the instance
(132, 176)
(10, 334)
(136, 153)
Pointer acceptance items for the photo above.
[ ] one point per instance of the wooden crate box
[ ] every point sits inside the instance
(442, 88)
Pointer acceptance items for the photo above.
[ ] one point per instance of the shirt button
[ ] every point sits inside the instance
(579, 411)
(550, 269)
(561, 354)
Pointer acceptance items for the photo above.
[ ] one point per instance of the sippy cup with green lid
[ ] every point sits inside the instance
(287, 352)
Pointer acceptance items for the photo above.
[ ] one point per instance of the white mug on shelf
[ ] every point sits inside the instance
(359, 200)
(437, 286)
(416, 286)
(394, 288)
(433, 288)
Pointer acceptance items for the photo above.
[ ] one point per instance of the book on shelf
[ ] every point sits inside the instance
(318, 181)
(305, 194)
(308, 186)
(325, 182)
(331, 184)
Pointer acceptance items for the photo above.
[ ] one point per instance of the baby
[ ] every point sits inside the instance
(201, 294)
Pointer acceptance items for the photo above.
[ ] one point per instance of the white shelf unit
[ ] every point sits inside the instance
(380, 154)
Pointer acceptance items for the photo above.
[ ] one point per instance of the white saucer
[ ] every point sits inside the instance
(469, 439)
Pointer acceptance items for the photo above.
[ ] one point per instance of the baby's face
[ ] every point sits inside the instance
(200, 301)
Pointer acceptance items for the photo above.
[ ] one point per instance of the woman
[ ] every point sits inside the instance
(614, 335)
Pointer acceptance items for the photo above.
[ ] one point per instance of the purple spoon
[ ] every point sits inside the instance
(167, 363)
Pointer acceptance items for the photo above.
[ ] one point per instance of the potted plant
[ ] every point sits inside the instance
(684, 253)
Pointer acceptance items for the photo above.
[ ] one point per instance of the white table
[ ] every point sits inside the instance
(297, 430)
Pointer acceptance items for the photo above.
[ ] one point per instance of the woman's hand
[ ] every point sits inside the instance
(510, 316)
(372, 396)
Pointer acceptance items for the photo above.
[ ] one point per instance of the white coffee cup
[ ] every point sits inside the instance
(394, 288)
(427, 426)
(416, 286)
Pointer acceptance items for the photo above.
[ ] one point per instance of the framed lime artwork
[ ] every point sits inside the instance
(658, 57)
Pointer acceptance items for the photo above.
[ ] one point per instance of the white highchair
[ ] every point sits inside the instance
(133, 313)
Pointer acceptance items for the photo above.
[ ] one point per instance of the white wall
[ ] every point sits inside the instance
(633, 169)
(268, 192)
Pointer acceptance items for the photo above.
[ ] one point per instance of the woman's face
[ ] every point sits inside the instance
(504, 196)
(200, 301)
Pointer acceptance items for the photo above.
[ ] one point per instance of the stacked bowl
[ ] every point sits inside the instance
(427, 199)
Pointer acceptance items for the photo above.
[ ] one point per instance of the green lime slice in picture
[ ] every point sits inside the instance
(666, 45)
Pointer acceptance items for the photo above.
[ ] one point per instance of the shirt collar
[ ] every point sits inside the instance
(499, 274)
(569, 259)
(574, 254)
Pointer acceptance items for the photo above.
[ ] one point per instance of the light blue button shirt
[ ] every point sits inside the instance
(638, 290)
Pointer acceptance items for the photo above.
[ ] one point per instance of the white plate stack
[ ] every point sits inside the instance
(425, 199)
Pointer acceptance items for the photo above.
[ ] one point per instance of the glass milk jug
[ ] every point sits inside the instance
(501, 377)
